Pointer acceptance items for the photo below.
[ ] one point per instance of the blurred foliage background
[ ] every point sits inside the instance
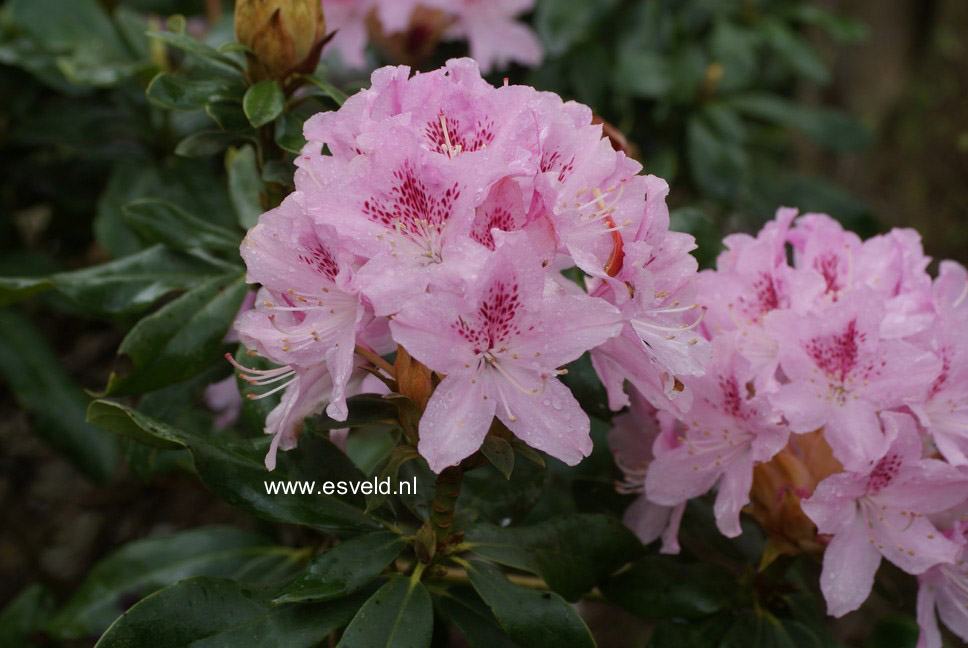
(854, 107)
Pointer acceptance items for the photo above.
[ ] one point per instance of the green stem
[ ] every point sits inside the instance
(445, 502)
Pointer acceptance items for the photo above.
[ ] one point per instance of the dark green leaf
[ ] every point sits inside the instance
(472, 617)
(289, 133)
(228, 115)
(734, 47)
(676, 633)
(178, 340)
(563, 23)
(234, 470)
(530, 617)
(331, 91)
(829, 127)
(67, 26)
(25, 616)
(571, 553)
(499, 453)
(584, 383)
(159, 221)
(245, 185)
(344, 569)
(644, 74)
(364, 409)
(197, 48)
(42, 387)
(399, 615)
(658, 587)
(135, 282)
(763, 629)
(263, 102)
(142, 567)
(181, 92)
(794, 50)
(215, 613)
(14, 289)
(207, 143)
(719, 167)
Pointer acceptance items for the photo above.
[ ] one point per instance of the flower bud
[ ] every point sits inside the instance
(780, 484)
(284, 36)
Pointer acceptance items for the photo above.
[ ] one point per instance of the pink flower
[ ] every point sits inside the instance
(881, 513)
(631, 439)
(500, 346)
(944, 588)
(725, 433)
(944, 411)
(840, 373)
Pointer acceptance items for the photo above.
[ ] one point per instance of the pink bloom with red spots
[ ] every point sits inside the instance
(944, 588)
(717, 443)
(500, 346)
(881, 513)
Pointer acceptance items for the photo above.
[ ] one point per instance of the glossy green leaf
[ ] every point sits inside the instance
(263, 102)
(207, 143)
(530, 617)
(763, 629)
(570, 552)
(139, 568)
(328, 88)
(181, 92)
(55, 403)
(178, 340)
(245, 185)
(587, 388)
(718, 166)
(398, 615)
(197, 48)
(344, 569)
(14, 289)
(235, 471)
(472, 617)
(24, 617)
(289, 133)
(135, 282)
(677, 633)
(499, 452)
(217, 613)
(67, 26)
(159, 221)
(658, 587)
(364, 409)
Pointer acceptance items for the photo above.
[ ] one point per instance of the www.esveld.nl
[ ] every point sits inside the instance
(373, 486)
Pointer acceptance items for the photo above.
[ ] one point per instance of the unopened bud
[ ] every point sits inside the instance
(413, 378)
(284, 36)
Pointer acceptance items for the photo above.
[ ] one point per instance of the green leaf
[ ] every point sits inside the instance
(178, 340)
(181, 92)
(364, 409)
(234, 470)
(14, 289)
(570, 552)
(25, 616)
(794, 50)
(831, 128)
(472, 617)
(197, 48)
(328, 88)
(563, 23)
(135, 282)
(139, 568)
(735, 48)
(159, 221)
(531, 618)
(658, 587)
(207, 143)
(344, 569)
(719, 167)
(584, 383)
(289, 133)
(644, 74)
(763, 629)
(676, 633)
(245, 185)
(67, 26)
(263, 102)
(216, 613)
(499, 453)
(56, 404)
(398, 615)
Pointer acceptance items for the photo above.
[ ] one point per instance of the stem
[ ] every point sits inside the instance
(374, 359)
(459, 575)
(445, 502)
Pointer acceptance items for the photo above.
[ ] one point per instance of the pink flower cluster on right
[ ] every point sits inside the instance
(814, 329)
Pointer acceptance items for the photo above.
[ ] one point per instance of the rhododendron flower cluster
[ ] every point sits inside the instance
(494, 36)
(838, 361)
(436, 214)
